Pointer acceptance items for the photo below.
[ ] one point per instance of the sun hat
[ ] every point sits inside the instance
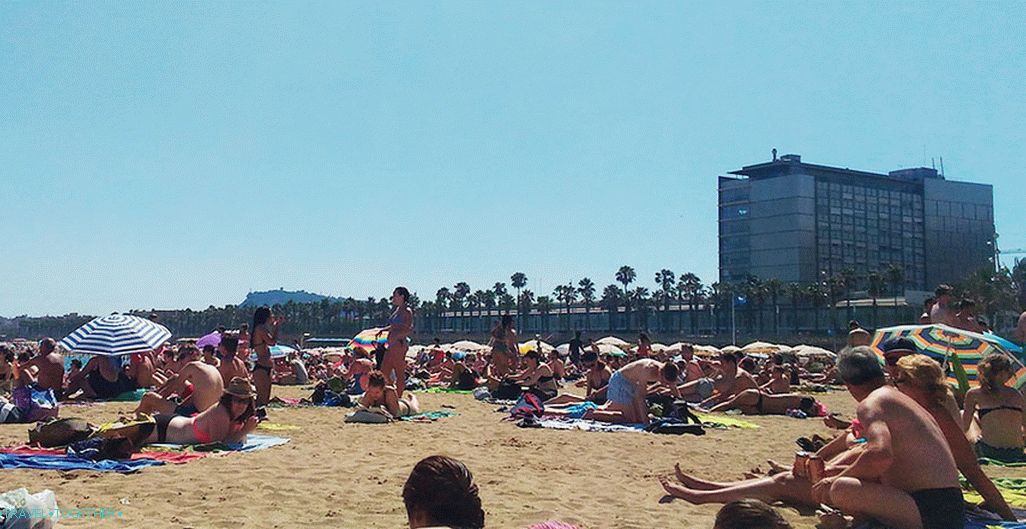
(240, 387)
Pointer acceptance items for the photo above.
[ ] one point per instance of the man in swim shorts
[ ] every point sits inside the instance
(204, 379)
(628, 387)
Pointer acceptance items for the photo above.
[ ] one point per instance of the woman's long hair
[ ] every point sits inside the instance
(988, 369)
(925, 373)
(260, 317)
(226, 401)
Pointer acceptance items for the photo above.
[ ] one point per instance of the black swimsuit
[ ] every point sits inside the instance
(940, 508)
(984, 411)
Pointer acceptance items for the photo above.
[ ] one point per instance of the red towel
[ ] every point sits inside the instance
(176, 458)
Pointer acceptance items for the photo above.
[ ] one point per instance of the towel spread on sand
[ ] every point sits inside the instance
(253, 442)
(66, 462)
(1013, 490)
(129, 396)
(428, 416)
(999, 463)
(157, 455)
(446, 390)
(275, 427)
(711, 419)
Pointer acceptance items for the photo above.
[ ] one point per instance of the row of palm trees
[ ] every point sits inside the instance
(628, 306)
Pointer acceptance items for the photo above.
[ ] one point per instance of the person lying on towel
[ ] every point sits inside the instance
(229, 421)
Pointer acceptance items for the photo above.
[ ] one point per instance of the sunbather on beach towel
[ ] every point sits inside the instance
(628, 388)
(756, 402)
(379, 394)
(229, 421)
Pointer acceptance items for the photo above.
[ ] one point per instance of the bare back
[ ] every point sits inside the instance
(921, 458)
(51, 371)
(206, 382)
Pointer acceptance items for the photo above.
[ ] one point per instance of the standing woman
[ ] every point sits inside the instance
(263, 335)
(399, 328)
(504, 347)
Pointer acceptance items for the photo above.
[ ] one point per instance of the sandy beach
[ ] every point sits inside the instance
(351, 475)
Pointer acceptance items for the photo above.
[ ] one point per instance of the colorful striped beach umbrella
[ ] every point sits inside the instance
(368, 341)
(115, 335)
(947, 344)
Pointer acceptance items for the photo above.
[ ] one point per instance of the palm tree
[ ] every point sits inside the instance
(519, 280)
(755, 292)
(640, 298)
(525, 300)
(665, 281)
(818, 292)
(774, 287)
(849, 281)
(544, 305)
(476, 302)
(689, 287)
(626, 276)
(442, 298)
(586, 288)
(876, 286)
(506, 301)
(796, 293)
(490, 302)
(559, 294)
(610, 301)
(896, 278)
(459, 293)
(569, 297)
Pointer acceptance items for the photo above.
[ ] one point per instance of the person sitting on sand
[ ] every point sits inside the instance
(229, 421)
(999, 411)
(48, 367)
(557, 365)
(537, 376)
(749, 514)
(141, 371)
(628, 388)
(730, 381)
(903, 474)
(101, 378)
(595, 381)
(440, 493)
(205, 382)
(921, 378)
(779, 380)
(358, 370)
(380, 395)
(209, 356)
(231, 365)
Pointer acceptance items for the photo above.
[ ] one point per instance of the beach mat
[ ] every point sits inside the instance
(429, 416)
(726, 421)
(446, 390)
(1013, 490)
(253, 442)
(175, 458)
(66, 462)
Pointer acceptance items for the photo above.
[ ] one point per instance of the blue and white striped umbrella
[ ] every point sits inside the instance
(115, 335)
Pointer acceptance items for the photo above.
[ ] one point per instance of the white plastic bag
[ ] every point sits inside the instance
(21, 510)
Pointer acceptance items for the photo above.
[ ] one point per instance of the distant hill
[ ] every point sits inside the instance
(281, 297)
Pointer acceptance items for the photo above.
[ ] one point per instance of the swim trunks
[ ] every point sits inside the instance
(705, 387)
(620, 390)
(940, 508)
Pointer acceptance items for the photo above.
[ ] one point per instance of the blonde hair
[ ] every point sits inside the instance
(989, 367)
(925, 373)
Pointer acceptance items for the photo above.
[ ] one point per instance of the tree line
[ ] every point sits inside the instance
(677, 303)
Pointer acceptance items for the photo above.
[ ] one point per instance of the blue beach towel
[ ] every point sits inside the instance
(253, 442)
(41, 462)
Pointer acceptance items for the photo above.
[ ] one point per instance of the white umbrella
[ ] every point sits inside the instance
(116, 335)
(614, 341)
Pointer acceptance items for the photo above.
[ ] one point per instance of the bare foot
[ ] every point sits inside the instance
(831, 519)
(693, 483)
(678, 491)
(776, 468)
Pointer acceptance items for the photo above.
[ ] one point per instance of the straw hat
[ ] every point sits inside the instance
(240, 387)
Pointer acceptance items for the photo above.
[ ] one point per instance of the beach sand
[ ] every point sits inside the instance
(351, 475)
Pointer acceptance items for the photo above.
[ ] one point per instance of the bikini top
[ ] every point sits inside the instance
(395, 318)
(984, 411)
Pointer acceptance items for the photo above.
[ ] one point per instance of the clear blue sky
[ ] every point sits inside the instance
(166, 154)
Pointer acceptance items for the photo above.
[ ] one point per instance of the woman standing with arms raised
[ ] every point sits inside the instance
(263, 334)
(399, 328)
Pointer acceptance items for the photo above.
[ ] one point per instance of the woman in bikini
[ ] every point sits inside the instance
(229, 421)
(538, 377)
(998, 410)
(381, 395)
(504, 347)
(399, 328)
(263, 335)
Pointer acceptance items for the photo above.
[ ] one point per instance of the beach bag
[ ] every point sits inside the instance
(36, 404)
(21, 510)
(370, 416)
(10, 414)
(529, 405)
(507, 391)
(99, 449)
(60, 432)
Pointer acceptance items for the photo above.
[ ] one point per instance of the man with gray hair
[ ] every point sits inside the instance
(905, 476)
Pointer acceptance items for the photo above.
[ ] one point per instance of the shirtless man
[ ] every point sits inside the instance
(941, 312)
(903, 476)
(141, 370)
(207, 388)
(231, 365)
(49, 364)
(732, 380)
(628, 388)
(209, 358)
(965, 317)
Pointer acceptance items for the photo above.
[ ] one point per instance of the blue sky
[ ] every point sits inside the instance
(168, 154)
